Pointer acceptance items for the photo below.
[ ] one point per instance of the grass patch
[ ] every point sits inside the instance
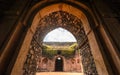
(51, 51)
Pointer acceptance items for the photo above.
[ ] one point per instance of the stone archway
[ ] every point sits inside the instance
(101, 68)
(69, 22)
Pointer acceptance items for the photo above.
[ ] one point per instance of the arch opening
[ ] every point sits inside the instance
(59, 64)
(59, 42)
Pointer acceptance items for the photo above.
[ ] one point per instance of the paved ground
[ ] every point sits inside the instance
(58, 73)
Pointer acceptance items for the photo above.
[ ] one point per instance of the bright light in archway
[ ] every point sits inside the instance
(59, 35)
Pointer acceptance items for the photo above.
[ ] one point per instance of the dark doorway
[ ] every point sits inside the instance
(59, 64)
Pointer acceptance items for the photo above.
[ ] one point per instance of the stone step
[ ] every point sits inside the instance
(58, 73)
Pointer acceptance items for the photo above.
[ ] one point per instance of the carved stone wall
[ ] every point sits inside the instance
(72, 24)
(69, 64)
(32, 57)
(55, 20)
(87, 60)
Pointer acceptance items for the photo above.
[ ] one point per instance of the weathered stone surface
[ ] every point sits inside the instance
(72, 24)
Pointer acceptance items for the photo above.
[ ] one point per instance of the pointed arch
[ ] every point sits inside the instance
(70, 9)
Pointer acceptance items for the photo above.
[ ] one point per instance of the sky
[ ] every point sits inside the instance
(59, 35)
